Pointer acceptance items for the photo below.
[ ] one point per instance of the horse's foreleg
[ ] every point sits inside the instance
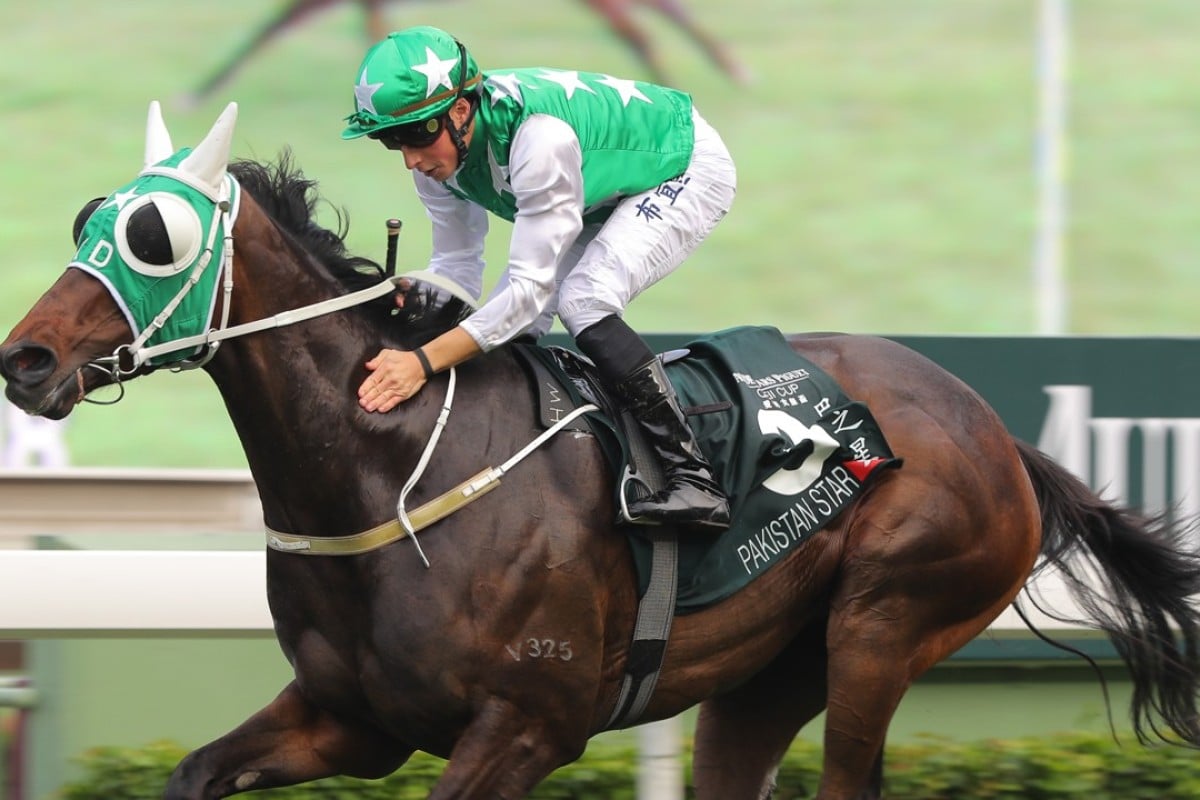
(504, 753)
(742, 736)
(716, 52)
(377, 24)
(617, 14)
(290, 741)
(289, 16)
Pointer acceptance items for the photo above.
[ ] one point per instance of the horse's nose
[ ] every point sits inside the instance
(27, 363)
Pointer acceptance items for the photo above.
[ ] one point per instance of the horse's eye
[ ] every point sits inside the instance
(82, 217)
(147, 236)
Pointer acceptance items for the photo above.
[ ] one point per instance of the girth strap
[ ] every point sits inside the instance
(656, 610)
(655, 613)
(436, 509)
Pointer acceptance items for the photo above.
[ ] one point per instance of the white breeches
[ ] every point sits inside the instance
(645, 239)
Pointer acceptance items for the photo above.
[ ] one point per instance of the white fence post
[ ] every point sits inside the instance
(660, 761)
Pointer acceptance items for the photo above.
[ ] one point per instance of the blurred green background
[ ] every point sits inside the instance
(886, 157)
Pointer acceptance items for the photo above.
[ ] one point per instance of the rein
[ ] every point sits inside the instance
(126, 359)
(285, 318)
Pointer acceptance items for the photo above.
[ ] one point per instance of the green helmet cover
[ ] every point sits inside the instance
(413, 75)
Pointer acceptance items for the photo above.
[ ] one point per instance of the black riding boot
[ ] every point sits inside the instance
(690, 497)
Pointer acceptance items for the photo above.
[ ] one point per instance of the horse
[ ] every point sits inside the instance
(506, 653)
(617, 13)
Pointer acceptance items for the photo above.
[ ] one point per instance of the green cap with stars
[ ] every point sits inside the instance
(413, 75)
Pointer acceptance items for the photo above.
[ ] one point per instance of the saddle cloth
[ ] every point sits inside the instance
(788, 447)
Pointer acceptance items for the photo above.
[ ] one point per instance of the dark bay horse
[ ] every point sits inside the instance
(506, 654)
(619, 14)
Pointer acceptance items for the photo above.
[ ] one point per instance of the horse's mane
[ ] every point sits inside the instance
(291, 199)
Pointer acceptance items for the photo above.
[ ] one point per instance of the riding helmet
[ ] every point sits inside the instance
(413, 75)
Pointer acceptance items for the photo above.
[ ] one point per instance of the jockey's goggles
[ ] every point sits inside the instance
(413, 134)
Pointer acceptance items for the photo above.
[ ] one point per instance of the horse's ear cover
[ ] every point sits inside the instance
(208, 161)
(203, 168)
(158, 139)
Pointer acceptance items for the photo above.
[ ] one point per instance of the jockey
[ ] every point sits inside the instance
(609, 184)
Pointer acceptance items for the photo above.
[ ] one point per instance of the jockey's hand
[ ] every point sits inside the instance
(402, 287)
(396, 375)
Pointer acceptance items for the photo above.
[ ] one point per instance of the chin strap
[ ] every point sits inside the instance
(456, 134)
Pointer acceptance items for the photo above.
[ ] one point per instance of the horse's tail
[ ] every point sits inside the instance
(1134, 579)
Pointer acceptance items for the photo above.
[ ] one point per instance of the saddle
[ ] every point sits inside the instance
(564, 380)
(790, 450)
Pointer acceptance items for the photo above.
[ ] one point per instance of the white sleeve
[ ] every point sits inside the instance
(459, 230)
(546, 176)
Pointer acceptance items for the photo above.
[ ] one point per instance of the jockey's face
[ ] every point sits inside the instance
(439, 159)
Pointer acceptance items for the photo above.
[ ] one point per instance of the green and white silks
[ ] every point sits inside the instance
(633, 135)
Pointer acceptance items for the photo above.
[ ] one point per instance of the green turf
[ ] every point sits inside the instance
(885, 156)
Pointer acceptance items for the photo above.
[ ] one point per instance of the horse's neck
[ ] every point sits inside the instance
(320, 462)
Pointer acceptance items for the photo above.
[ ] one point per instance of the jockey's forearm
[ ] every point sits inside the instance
(450, 349)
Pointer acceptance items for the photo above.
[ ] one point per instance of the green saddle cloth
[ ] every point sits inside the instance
(789, 448)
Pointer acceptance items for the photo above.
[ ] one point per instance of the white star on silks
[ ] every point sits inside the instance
(364, 93)
(569, 80)
(436, 71)
(626, 89)
(121, 199)
(499, 174)
(502, 86)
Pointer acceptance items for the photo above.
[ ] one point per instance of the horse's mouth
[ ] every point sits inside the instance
(56, 403)
(61, 399)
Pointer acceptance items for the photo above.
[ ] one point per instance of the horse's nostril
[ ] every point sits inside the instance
(27, 363)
